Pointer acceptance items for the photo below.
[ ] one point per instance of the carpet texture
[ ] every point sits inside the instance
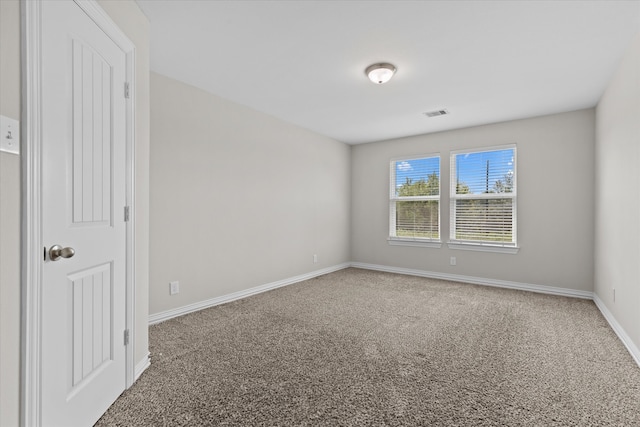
(364, 348)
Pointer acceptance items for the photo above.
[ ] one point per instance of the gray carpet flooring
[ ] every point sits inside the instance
(364, 348)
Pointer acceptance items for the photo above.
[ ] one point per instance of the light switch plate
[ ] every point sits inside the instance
(9, 135)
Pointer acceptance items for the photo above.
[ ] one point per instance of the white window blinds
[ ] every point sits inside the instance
(483, 197)
(415, 199)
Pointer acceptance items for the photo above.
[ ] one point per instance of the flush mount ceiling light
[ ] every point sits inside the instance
(380, 73)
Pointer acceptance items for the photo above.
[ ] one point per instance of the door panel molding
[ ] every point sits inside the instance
(31, 205)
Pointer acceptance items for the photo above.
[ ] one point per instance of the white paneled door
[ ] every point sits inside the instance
(83, 199)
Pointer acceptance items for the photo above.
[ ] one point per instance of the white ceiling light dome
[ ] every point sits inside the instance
(380, 73)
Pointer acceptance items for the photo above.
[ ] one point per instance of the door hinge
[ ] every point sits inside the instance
(126, 90)
(126, 213)
(126, 337)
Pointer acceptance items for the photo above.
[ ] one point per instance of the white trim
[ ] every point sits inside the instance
(486, 247)
(142, 366)
(478, 281)
(551, 290)
(31, 227)
(399, 241)
(131, 224)
(104, 21)
(31, 267)
(618, 329)
(482, 149)
(414, 198)
(417, 156)
(180, 311)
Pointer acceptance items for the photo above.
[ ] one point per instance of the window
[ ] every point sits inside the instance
(415, 201)
(483, 199)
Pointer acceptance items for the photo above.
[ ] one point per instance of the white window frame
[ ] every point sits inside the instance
(473, 245)
(395, 240)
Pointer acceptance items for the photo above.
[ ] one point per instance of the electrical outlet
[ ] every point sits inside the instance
(453, 261)
(174, 288)
(315, 258)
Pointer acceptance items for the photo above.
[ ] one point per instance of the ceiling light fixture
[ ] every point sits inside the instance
(380, 73)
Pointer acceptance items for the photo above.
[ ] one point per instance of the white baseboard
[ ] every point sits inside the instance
(617, 328)
(180, 311)
(142, 366)
(478, 280)
(169, 314)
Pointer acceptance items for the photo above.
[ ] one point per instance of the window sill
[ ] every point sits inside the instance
(483, 247)
(395, 241)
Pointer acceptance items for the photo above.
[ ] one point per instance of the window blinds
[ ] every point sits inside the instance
(483, 196)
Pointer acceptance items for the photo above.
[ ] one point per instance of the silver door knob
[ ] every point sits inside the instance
(56, 252)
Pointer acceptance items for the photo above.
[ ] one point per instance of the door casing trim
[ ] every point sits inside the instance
(31, 200)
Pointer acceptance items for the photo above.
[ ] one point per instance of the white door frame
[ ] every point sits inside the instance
(31, 190)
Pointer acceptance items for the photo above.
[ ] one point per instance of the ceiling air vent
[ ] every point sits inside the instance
(436, 113)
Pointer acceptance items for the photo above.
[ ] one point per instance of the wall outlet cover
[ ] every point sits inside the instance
(174, 288)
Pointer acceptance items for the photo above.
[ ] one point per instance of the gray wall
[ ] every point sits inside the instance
(135, 25)
(617, 249)
(555, 160)
(9, 219)
(238, 198)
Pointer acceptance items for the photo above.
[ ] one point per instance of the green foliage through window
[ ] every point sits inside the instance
(415, 198)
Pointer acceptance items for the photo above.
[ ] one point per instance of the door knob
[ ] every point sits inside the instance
(56, 252)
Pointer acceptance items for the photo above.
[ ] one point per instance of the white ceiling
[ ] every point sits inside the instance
(304, 61)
